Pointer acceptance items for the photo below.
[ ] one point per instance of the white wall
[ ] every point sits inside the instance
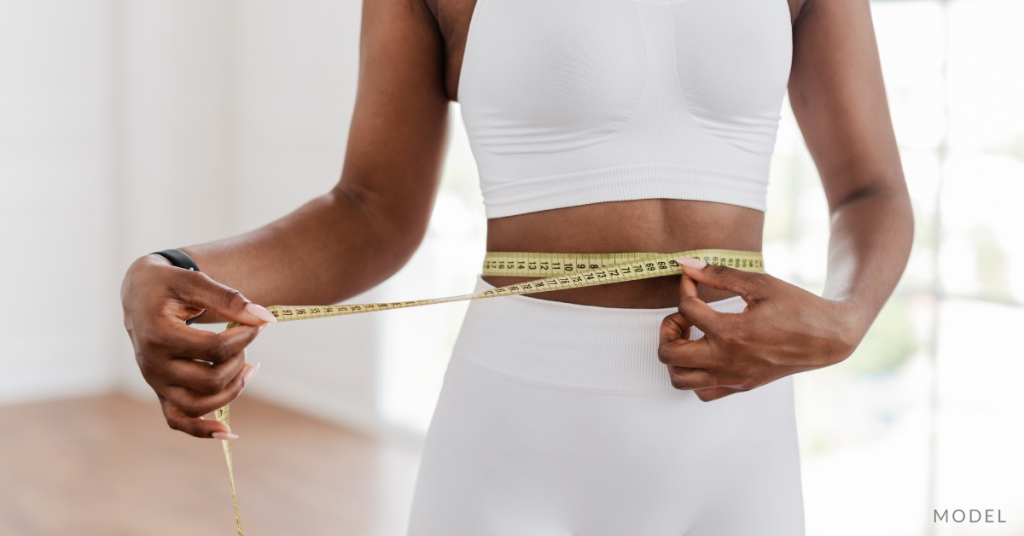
(128, 126)
(172, 125)
(55, 199)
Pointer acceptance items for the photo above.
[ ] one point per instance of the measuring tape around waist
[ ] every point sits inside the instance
(551, 271)
(554, 271)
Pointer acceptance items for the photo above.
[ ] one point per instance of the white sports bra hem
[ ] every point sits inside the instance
(512, 197)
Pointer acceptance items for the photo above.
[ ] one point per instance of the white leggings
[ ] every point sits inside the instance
(558, 419)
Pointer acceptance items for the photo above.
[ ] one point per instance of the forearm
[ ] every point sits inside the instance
(330, 249)
(872, 233)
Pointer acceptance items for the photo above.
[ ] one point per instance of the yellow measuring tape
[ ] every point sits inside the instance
(552, 271)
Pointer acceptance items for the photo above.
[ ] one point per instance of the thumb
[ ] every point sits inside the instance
(205, 293)
(746, 284)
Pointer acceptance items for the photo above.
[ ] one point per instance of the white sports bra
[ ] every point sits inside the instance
(572, 102)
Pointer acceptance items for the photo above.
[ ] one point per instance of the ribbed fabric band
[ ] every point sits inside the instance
(624, 183)
(568, 346)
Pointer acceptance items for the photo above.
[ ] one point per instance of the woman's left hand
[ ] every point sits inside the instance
(783, 330)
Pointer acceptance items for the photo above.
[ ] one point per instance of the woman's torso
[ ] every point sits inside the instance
(517, 80)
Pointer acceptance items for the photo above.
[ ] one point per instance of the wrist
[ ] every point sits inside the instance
(182, 260)
(139, 265)
(151, 260)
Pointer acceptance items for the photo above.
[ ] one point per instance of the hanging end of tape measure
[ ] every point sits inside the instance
(224, 415)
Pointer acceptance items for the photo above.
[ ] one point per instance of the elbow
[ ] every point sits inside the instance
(902, 208)
(886, 207)
(389, 233)
(890, 192)
(891, 196)
(404, 241)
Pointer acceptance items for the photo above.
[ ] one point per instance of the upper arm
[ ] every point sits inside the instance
(397, 137)
(839, 101)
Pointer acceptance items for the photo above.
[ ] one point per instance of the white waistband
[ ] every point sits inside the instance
(569, 346)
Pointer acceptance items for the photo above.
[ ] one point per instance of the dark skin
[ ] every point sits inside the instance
(411, 57)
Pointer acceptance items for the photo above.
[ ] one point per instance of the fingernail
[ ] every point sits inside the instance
(259, 312)
(223, 436)
(691, 263)
(248, 375)
(262, 328)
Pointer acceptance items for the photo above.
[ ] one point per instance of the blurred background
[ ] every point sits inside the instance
(128, 126)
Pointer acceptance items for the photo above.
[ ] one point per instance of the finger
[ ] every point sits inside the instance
(193, 405)
(184, 341)
(682, 353)
(689, 379)
(687, 286)
(197, 289)
(674, 327)
(748, 285)
(194, 426)
(202, 377)
(714, 393)
(700, 314)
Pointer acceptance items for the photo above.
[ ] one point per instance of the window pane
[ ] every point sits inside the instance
(922, 171)
(986, 76)
(982, 251)
(981, 426)
(866, 421)
(911, 44)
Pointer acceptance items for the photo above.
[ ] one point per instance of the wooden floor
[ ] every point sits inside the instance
(110, 466)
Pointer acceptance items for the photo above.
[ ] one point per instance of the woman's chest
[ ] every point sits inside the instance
(534, 37)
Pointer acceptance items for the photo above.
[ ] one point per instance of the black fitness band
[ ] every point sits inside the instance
(181, 259)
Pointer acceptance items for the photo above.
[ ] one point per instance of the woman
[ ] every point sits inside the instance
(599, 126)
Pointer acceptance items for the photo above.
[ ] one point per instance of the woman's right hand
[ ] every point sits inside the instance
(192, 371)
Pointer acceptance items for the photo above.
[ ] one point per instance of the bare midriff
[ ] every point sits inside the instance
(649, 225)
